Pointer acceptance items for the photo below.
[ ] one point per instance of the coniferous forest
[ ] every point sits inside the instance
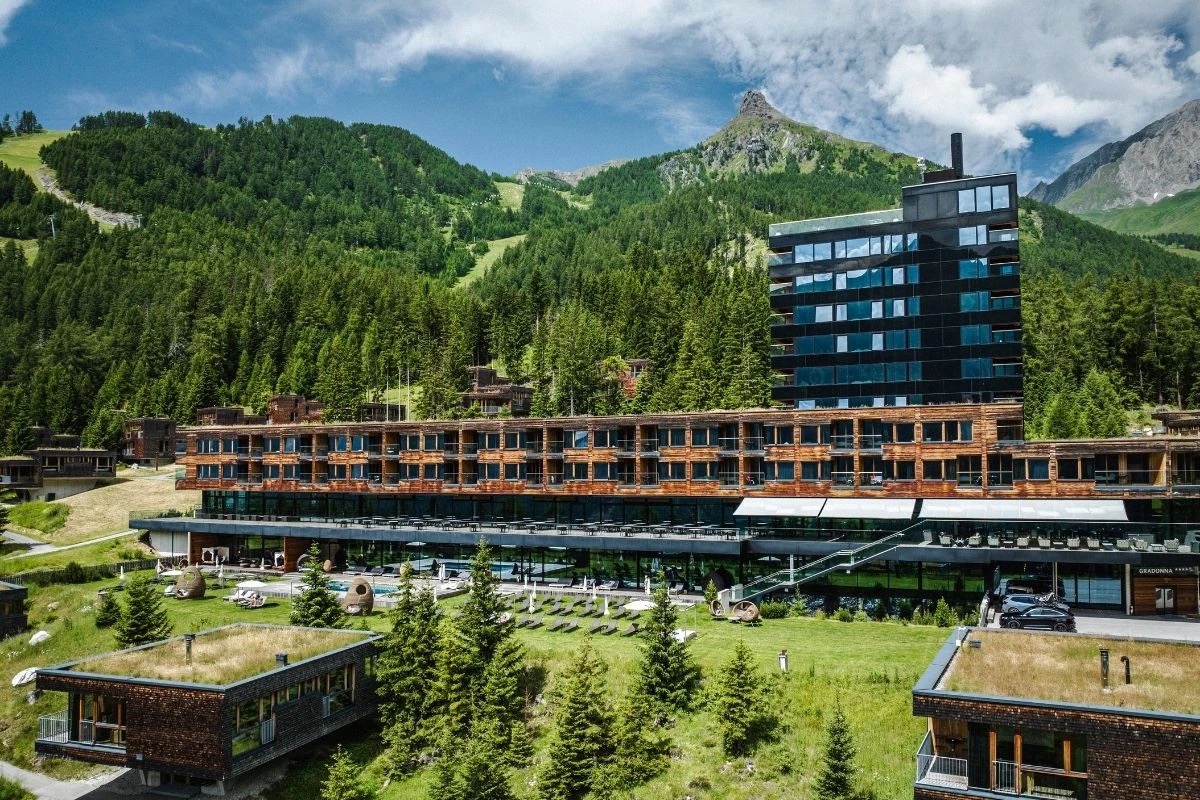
(309, 256)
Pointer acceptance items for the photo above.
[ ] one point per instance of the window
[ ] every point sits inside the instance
(575, 440)
(1032, 469)
(208, 445)
(513, 472)
(973, 301)
(904, 470)
(1006, 335)
(931, 470)
(966, 201)
(814, 376)
(810, 314)
(291, 472)
(704, 437)
(271, 444)
(1005, 302)
(1006, 369)
(814, 470)
(229, 471)
(577, 471)
(778, 434)
(432, 442)
(339, 444)
(811, 434)
(336, 472)
(779, 470)
(208, 472)
(970, 470)
(490, 470)
(976, 367)
(807, 253)
(432, 472)
(705, 470)
(904, 432)
(491, 441)
(1010, 430)
(672, 470)
(975, 334)
(976, 234)
(604, 471)
(817, 282)
(605, 438)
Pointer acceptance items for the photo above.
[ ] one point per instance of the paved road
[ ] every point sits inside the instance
(1112, 623)
(37, 548)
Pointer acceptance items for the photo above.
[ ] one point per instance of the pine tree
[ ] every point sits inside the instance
(836, 781)
(144, 619)
(407, 668)
(667, 673)
(316, 606)
(640, 750)
(108, 612)
(743, 714)
(581, 741)
(478, 770)
(1101, 413)
(483, 621)
(343, 781)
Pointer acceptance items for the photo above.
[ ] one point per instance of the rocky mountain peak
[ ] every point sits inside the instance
(755, 104)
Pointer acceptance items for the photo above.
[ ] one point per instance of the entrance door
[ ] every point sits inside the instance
(1164, 599)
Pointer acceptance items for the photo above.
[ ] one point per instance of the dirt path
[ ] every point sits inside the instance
(50, 184)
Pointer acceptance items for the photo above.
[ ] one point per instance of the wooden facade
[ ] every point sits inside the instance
(199, 731)
(956, 450)
(1106, 753)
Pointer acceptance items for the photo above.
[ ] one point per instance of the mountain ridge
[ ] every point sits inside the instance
(1160, 160)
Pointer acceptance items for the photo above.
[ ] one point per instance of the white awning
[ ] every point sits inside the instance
(1023, 510)
(780, 507)
(868, 508)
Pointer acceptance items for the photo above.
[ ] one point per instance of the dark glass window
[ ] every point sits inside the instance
(779, 470)
(931, 470)
(903, 432)
(976, 367)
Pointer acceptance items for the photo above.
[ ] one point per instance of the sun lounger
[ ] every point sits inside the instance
(556, 625)
(534, 622)
(609, 628)
(634, 615)
(573, 625)
(631, 630)
(595, 626)
(620, 612)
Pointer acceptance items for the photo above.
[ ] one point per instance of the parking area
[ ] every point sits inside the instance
(1112, 623)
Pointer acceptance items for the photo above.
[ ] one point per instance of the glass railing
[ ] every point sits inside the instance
(869, 480)
(729, 443)
(870, 441)
(842, 441)
(1129, 477)
(842, 478)
(779, 259)
(1004, 235)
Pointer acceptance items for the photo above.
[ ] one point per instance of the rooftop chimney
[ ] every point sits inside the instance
(956, 158)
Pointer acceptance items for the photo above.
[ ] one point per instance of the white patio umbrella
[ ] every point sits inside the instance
(606, 605)
(594, 590)
(442, 573)
(121, 576)
(532, 603)
(171, 573)
(647, 584)
(251, 585)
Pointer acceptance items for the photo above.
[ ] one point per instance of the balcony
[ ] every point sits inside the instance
(935, 770)
(727, 444)
(841, 441)
(870, 480)
(843, 479)
(1136, 479)
(1003, 235)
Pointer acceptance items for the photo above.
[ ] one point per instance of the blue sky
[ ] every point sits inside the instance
(505, 84)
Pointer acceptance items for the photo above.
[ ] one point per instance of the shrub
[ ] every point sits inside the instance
(73, 573)
(773, 609)
(843, 615)
(904, 609)
(11, 790)
(861, 616)
(943, 615)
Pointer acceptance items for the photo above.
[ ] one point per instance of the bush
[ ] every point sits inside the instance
(843, 615)
(773, 609)
(943, 615)
(861, 616)
(73, 573)
(39, 515)
(11, 790)
(904, 609)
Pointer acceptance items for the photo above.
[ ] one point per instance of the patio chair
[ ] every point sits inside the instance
(1171, 545)
(993, 541)
(944, 540)
(927, 535)
(1022, 541)
(1073, 543)
(1122, 544)
(1140, 545)
(534, 622)
(1093, 543)
(633, 615)
(1043, 542)
(974, 540)
(620, 612)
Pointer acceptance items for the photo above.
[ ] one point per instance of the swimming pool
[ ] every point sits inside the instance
(343, 586)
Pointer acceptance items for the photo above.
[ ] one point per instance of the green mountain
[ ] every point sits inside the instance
(309, 256)
(1178, 213)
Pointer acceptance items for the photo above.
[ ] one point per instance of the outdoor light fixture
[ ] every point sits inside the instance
(188, 638)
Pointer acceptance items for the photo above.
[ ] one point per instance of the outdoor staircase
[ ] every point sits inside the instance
(841, 560)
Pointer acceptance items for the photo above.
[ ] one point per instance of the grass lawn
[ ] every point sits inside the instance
(867, 667)
(39, 515)
(109, 551)
(106, 509)
(496, 249)
(21, 152)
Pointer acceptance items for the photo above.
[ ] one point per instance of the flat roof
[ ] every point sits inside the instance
(220, 656)
(1065, 668)
(818, 224)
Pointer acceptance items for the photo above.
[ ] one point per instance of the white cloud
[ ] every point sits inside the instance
(8, 10)
(900, 74)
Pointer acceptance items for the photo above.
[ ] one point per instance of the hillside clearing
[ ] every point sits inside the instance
(21, 152)
(106, 509)
(29, 246)
(496, 248)
(511, 194)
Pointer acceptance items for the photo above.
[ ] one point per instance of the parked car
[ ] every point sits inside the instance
(1048, 617)
(1020, 602)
